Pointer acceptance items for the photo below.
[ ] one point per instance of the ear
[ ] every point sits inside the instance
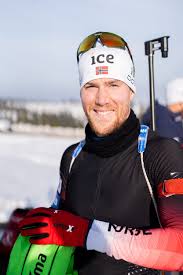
(131, 95)
(81, 93)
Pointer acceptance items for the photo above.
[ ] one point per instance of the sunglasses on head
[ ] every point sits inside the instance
(106, 38)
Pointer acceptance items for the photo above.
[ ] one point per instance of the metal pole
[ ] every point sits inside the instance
(152, 90)
(151, 46)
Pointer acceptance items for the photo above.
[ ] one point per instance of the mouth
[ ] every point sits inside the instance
(103, 114)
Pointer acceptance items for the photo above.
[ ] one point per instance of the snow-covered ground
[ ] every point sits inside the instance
(29, 170)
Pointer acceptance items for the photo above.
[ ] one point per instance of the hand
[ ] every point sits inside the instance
(50, 226)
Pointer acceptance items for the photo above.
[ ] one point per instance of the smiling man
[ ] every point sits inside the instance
(124, 205)
(107, 87)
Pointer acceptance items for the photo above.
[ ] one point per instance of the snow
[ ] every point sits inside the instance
(29, 169)
(5, 125)
(47, 130)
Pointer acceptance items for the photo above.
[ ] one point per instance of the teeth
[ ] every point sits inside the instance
(104, 112)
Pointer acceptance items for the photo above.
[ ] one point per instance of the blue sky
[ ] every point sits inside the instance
(39, 38)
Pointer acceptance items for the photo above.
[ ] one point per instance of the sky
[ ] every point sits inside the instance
(39, 39)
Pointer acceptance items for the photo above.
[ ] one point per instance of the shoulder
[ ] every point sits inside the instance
(163, 156)
(67, 155)
(66, 159)
(163, 145)
(68, 151)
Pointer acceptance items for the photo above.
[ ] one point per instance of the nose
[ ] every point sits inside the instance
(102, 97)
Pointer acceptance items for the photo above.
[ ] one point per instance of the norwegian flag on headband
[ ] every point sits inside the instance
(102, 70)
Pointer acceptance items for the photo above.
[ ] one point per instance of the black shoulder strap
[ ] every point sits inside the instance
(63, 179)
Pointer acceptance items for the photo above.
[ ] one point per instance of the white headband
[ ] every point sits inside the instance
(105, 62)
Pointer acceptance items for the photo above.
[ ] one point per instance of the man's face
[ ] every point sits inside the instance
(106, 103)
(176, 108)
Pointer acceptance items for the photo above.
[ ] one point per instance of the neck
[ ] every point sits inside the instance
(115, 142)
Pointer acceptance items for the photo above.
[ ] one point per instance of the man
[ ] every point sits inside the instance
(169, 119)
(120, 206)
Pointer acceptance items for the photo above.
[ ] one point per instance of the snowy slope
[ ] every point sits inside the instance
(29, 170)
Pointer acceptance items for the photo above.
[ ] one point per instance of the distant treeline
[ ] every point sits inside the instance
(21, 115)
(64, 119)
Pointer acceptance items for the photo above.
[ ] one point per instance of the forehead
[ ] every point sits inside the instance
(104, 81)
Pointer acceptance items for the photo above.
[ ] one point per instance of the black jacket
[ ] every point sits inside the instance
(113, 189)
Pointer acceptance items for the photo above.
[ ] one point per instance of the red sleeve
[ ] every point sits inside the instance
(160, 248)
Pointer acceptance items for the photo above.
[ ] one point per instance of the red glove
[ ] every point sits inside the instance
(50, 226)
